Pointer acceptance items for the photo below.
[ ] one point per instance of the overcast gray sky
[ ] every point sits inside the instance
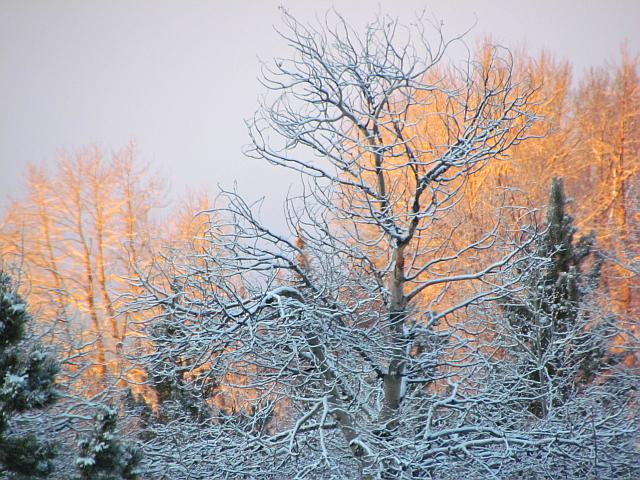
(179, 77)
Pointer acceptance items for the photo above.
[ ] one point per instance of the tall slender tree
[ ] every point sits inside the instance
(557, 368)
(563, 345)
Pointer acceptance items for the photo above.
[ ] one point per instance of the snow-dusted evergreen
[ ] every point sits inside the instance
(562, 338)
(27, 383)
(556, 371)
(103, 456)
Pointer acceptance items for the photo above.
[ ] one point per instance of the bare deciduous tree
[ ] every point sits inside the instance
(340, 341)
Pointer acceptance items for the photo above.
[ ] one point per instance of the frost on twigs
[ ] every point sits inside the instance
(352, 346)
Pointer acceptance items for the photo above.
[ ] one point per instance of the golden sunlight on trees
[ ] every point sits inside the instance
(77, 237)
(456, 295)
(589, 135)
(608, 118)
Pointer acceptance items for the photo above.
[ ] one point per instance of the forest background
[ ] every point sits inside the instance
(86, 223)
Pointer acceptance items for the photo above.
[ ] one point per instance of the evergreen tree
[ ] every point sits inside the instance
(27, 382)
(167, 372)
(168, 402)
(103, 456)
(557, 344)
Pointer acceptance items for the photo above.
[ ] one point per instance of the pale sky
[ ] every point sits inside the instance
(179, 77)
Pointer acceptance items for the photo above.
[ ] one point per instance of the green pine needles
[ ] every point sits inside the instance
(27, 382)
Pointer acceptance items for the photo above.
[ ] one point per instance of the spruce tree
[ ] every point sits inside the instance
(27, 382)
(167, 386)
(103, 456)
(557, 344)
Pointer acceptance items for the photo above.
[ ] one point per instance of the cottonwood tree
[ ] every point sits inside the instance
(342, 341)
